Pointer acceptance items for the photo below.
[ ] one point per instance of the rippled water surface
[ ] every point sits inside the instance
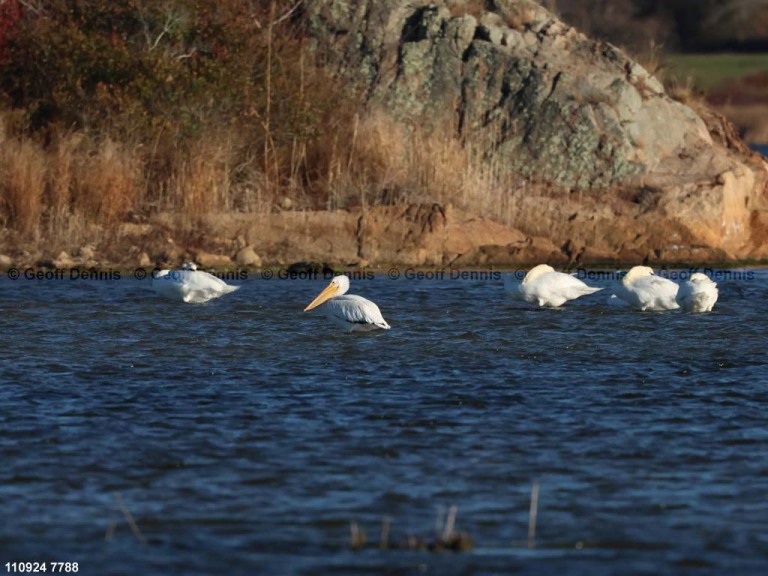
(244, 436)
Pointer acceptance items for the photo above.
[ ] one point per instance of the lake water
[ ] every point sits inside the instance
(244, 436)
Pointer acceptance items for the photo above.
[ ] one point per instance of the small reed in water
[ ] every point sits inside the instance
(357, 536)
(532, 514)
(384, 540)
(128, 518)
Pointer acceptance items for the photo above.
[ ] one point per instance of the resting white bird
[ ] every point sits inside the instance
(348, 311)
(697, 294)
(643, 290)
(190, 285)
(545, 287)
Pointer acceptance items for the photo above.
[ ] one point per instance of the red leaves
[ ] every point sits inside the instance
(11, 11)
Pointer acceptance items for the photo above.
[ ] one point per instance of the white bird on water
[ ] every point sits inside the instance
(697, 294)
(190, 285)
(644, 290)
(545, 287)
(349, 311)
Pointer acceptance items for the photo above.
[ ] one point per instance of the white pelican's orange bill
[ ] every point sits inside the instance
(328, 293)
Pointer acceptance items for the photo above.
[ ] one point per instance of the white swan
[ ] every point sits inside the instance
(190, 285)
(545, 287)
(643, 290)
(348, 311)
(697, 294)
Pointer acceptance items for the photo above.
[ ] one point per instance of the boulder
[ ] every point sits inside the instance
(144, 261)
(208, 260)
(608, 159)
(247, 257)
(64, 260)
(86, 253)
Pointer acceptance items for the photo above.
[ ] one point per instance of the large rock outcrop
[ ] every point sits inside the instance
(610, 166)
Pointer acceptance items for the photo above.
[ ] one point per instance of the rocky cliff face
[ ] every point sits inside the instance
(612, 167)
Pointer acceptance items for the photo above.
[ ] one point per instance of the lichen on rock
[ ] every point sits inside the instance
(557, 109)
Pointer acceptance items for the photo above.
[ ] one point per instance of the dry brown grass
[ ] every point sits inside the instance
(61, 188)
(385, 162)
(200, 183)
(653, 60)
(686, 92)
(81, 186)
(22, 184)
(367, 167)
(61, 181)
(107, 181)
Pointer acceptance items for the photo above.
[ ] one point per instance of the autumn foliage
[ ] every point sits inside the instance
(10, 15)
(197, 106)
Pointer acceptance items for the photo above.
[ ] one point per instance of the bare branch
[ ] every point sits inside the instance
(34, 7)
(170, 22)
(288, 13)
(187, 55)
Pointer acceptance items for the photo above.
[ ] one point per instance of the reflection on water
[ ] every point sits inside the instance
(243, 436)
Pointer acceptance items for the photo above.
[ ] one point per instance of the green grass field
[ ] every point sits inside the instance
(710, 71)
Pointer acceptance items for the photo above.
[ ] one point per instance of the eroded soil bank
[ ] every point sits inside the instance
(623, 232)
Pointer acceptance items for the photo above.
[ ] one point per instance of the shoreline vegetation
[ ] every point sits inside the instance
(130, 136)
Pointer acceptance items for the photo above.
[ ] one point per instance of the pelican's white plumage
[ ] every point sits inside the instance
(697, 294)
(190, 285)
(348, 311)
(643, 290)
(545, 287)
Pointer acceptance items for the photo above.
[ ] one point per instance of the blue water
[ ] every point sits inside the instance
(243, 436)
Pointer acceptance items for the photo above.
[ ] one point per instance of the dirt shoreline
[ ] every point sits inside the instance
(417, 237)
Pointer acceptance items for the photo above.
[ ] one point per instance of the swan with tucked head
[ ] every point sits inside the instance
(544, 286)
(190, 285)
(348, 311)
(644, 290)
(697, 294)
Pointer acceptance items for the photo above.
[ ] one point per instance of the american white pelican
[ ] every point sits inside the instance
(349, 311)
(697, 294)
(545, 287)
(643, 290)
(190, 285)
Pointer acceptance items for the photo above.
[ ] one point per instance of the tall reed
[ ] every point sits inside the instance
(107, 181)
(22, 184)
(385, 162)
